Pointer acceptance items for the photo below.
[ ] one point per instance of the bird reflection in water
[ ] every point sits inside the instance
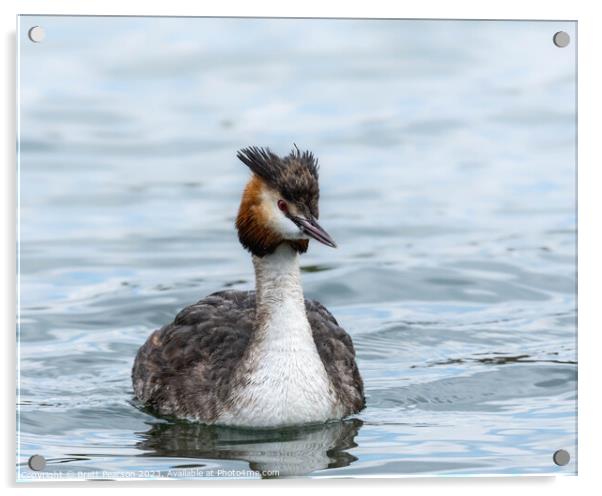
(286, 452)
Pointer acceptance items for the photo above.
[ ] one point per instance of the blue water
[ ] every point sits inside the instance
(447, 153)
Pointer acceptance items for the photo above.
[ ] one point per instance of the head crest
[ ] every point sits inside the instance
(295, 176)
(271, 168)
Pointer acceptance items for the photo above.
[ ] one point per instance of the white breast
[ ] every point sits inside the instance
(286, 380)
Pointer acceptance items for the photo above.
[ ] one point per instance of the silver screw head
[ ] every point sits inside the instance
(561, 457)
(37, 463)
(561, 39)
(36, 34)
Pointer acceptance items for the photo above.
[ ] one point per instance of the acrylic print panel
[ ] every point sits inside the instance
(447, 178)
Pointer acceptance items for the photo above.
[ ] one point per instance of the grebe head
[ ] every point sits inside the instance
(280, 202)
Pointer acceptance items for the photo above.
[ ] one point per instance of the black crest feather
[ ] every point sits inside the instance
(295, 176)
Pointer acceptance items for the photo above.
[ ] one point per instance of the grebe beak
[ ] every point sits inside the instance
(314, 230)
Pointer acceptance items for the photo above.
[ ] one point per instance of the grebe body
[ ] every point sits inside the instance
(263, 358)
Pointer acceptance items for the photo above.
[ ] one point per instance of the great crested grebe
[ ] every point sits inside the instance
(263, 358)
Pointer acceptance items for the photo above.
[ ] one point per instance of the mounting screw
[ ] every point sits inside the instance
(36, 34)
(561, 39)
(561, 457)
(37, 463)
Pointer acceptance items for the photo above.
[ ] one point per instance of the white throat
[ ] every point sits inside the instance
(280, 302)
(285, 380)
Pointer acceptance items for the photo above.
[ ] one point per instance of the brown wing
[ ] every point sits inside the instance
(184, 368)
(338, 356)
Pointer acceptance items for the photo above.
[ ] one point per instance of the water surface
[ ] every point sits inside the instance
(447, 154)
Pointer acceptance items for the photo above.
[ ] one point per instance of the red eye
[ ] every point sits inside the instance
(283, 206)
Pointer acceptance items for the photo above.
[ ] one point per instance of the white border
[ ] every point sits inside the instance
(590, 246)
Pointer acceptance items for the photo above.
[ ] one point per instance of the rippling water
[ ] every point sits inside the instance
(447, 155)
